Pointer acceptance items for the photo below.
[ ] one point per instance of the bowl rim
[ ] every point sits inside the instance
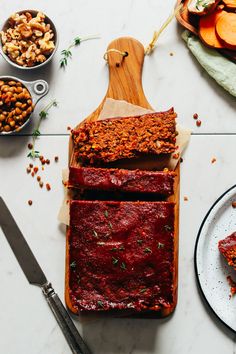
(27, 85)
(6, 57)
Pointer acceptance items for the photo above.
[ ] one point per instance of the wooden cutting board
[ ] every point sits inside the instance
(125, 83)
(190, 22)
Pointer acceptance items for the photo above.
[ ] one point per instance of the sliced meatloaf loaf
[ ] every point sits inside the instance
(133, 181)
(121, 255)
(114, 139)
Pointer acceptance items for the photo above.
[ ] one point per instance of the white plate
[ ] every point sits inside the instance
(211, 269)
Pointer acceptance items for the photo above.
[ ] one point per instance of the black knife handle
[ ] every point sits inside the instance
(68, 328)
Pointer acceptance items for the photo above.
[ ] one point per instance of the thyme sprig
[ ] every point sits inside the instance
(67, 53)
(36, 133)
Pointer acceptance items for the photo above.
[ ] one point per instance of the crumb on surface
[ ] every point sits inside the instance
(234, 204)
(213, 160)
(198, 123)
(30, 202)
(185, 198)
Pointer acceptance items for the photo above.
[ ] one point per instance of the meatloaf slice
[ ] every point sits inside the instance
(121, 255)
(134, 181)
(227, 248)
(114, 139)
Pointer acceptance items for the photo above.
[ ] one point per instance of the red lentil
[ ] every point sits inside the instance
(198, 123)
(48, 187)
(213, 160)
(195, 116)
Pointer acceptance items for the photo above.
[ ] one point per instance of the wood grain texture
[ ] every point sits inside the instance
(125, 83)
(191, 23)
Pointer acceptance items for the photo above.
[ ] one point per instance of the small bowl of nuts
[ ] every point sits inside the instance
(17, 101)
(28, 39)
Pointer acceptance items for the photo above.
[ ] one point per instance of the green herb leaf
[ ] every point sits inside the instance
(147, 250)
(110, 225)
(160, 245)
(95, 234)
(123, 265)
(100, 303)
(77, 40)
(106, 213)
(115, 260)
(73, 265)
(36, 133)
(139, 242)
(114, 249)
(43, 114)
(168, 228)
(143, 290)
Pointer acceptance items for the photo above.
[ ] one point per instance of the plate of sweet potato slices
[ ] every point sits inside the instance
(213, 21)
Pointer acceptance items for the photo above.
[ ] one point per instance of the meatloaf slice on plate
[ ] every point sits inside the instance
(227, 248)
(133, 181)
(114, 139)
(121, 256)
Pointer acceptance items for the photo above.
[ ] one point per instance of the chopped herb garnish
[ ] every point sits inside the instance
(121, 248)
(168, 227)
(115, 260)
(95, 234)
(139, 242)
(106, 213)
(123, 265)
(147, 250)
(110, 225)
(67, 54)
(73, 265)
(143, 290)
(114, 249)
(100, 303)
(160, 245)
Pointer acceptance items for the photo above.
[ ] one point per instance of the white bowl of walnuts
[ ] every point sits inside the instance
(28, 39)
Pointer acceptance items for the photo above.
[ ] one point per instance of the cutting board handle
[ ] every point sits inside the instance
(125, 79)
(125, 73)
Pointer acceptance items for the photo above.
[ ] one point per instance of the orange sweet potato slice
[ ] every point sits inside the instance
(231, 4)
(207, 29)
(226, 29)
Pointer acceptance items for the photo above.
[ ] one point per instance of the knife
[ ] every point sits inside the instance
(35, 276)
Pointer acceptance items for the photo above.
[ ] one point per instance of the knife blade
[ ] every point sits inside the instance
(35, 276)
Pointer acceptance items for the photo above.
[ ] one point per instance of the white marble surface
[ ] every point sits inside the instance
(26, 323)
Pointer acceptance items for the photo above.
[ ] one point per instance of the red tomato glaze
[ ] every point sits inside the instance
(121, 255)
(135, 181)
